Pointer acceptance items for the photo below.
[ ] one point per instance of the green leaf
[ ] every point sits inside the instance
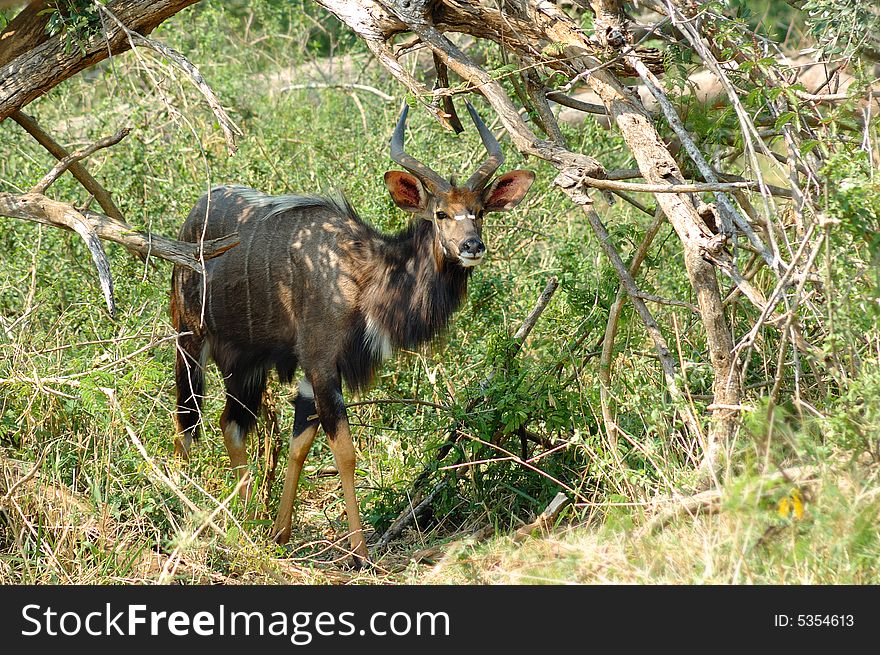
(553, 49)
(809, 145)
(784, 119)
(505, 70)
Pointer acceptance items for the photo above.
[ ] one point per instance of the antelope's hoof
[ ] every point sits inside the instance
(282, 536)
(360, 556)
(181, 451)
(361, 562)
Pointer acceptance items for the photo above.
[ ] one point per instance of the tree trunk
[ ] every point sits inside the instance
(39, 62)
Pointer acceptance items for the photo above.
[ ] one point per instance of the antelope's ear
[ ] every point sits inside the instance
(406, 190)
(507, 191)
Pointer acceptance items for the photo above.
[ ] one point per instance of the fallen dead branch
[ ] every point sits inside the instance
(545, 520)
(339, 85)
(707, 502)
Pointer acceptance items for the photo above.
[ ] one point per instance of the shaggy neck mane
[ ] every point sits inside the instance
(413, 289)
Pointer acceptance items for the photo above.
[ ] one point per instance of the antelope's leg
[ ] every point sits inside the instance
(189, 382)
(235, 440)
(343, 453)
(244, 394)
(334, 420)
(305, 426)
(189, 367)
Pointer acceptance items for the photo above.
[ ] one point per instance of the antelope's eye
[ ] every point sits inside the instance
(441, 216)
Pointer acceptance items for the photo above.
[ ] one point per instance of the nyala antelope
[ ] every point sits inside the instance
(313, 286)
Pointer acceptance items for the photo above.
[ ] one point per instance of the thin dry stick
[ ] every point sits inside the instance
(230, 129)
(386, 57)
(216, 501)
(629, 284)
(788, 328)
(696, 187)
(340, 85)
(635, 203)
(74, 157)
(631, 173)
(611, 330)
(667, 363)
(173, 561)
(528, 324)
(669, 301)
(777, 294)
(22, 480)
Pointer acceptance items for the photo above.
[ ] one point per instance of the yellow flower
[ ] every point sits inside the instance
(797, 504)
(783, 507)
(791, 505)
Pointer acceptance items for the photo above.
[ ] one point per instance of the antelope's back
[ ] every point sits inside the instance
(291, 262)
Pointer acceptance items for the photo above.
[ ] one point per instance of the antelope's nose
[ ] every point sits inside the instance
(473, 247)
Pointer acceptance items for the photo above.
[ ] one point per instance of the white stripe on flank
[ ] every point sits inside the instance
(377, 340)
(267, 276)
(247, 287)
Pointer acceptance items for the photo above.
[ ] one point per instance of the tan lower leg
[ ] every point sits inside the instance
(182, 444)
(299, 449)
(234, 440)
(343, 453)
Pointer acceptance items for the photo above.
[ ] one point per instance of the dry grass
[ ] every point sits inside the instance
(52, 535)
(745, 540)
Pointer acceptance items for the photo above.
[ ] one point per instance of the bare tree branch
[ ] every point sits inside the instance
(40, 209)
(59, 168)
(77, 169)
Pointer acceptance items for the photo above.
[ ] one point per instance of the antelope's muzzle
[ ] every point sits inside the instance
(471, 252)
